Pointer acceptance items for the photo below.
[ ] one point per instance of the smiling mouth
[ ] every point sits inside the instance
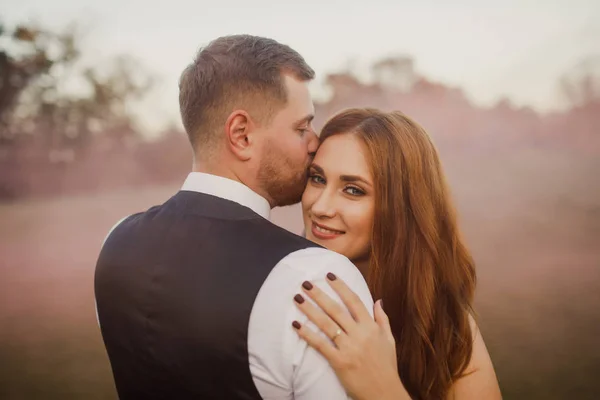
(322, 232)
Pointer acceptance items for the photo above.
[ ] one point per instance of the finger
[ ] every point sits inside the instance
(382, 319)
(350, 299)
(333, 309)
(317, 342)
(320, 319)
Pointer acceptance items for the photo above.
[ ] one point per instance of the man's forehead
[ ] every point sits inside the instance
(297, 88)
(300, 106)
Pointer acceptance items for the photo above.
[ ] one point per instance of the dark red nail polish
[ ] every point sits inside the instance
(299, 299)
(296, 324)
(307, 285)
(331, 276)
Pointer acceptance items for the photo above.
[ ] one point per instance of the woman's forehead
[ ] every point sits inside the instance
(343, 154)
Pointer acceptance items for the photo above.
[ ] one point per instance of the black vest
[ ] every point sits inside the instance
(174, 288)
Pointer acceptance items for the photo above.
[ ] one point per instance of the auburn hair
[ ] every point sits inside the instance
(419, 265)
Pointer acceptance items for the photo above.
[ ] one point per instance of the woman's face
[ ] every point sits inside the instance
(338, 203)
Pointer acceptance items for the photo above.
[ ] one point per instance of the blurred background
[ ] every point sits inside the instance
(509, 91)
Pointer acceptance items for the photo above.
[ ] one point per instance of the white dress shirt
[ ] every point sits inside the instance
(282, 365)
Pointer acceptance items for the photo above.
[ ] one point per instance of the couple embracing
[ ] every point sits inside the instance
(202, 297)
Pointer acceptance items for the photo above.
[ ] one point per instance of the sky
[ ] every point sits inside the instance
(491, 49)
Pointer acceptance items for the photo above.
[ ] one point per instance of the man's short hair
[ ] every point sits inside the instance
(235, 72)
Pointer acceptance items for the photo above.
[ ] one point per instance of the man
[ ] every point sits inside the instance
(194, 296)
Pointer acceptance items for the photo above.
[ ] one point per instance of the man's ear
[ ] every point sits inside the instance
(238, 139)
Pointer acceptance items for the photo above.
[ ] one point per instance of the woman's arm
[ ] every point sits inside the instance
(480, 380)
(361, 351)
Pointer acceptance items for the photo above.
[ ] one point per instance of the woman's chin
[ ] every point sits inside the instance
(324, 243)
(318, 241)
(313, 239)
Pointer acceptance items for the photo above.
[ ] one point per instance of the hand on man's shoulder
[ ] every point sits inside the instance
(317, 262)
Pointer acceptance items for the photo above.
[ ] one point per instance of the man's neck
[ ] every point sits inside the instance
(215, 169)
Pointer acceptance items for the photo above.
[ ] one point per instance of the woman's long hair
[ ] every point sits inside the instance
(419, 265)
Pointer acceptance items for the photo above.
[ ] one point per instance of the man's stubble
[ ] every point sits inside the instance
(283, 180)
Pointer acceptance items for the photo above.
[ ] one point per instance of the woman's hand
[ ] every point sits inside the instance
(363, 352)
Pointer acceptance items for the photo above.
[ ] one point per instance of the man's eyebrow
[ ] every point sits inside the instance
(308, 119)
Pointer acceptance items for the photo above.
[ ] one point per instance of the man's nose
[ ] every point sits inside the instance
(313, 143)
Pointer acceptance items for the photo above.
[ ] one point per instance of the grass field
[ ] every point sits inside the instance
(536, 243)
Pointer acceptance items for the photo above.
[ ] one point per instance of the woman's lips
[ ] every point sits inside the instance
(324, 232)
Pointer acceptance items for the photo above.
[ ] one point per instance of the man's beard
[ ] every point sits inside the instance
(283, 181)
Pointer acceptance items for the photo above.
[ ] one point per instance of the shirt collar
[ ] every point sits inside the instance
(227, 189)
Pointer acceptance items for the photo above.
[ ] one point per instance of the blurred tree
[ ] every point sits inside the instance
(50, 99)
(62, 117)
(581, 84)
(396, 73)
(17, 69)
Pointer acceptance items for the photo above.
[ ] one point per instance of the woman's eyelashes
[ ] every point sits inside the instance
(317, 179)
(349, 190)
(354, 191)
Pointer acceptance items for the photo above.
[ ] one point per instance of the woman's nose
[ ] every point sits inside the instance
(324, 206)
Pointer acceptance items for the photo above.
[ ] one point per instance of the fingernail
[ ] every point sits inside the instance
(331, 276)
(296, 324)
(299, 299)
(307, 285)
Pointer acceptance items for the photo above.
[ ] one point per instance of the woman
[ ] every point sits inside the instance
(377, 195)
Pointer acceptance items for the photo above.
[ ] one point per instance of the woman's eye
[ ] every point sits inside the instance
(317, 179)
(354, 191)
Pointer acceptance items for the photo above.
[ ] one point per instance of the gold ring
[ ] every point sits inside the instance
(336, 334)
